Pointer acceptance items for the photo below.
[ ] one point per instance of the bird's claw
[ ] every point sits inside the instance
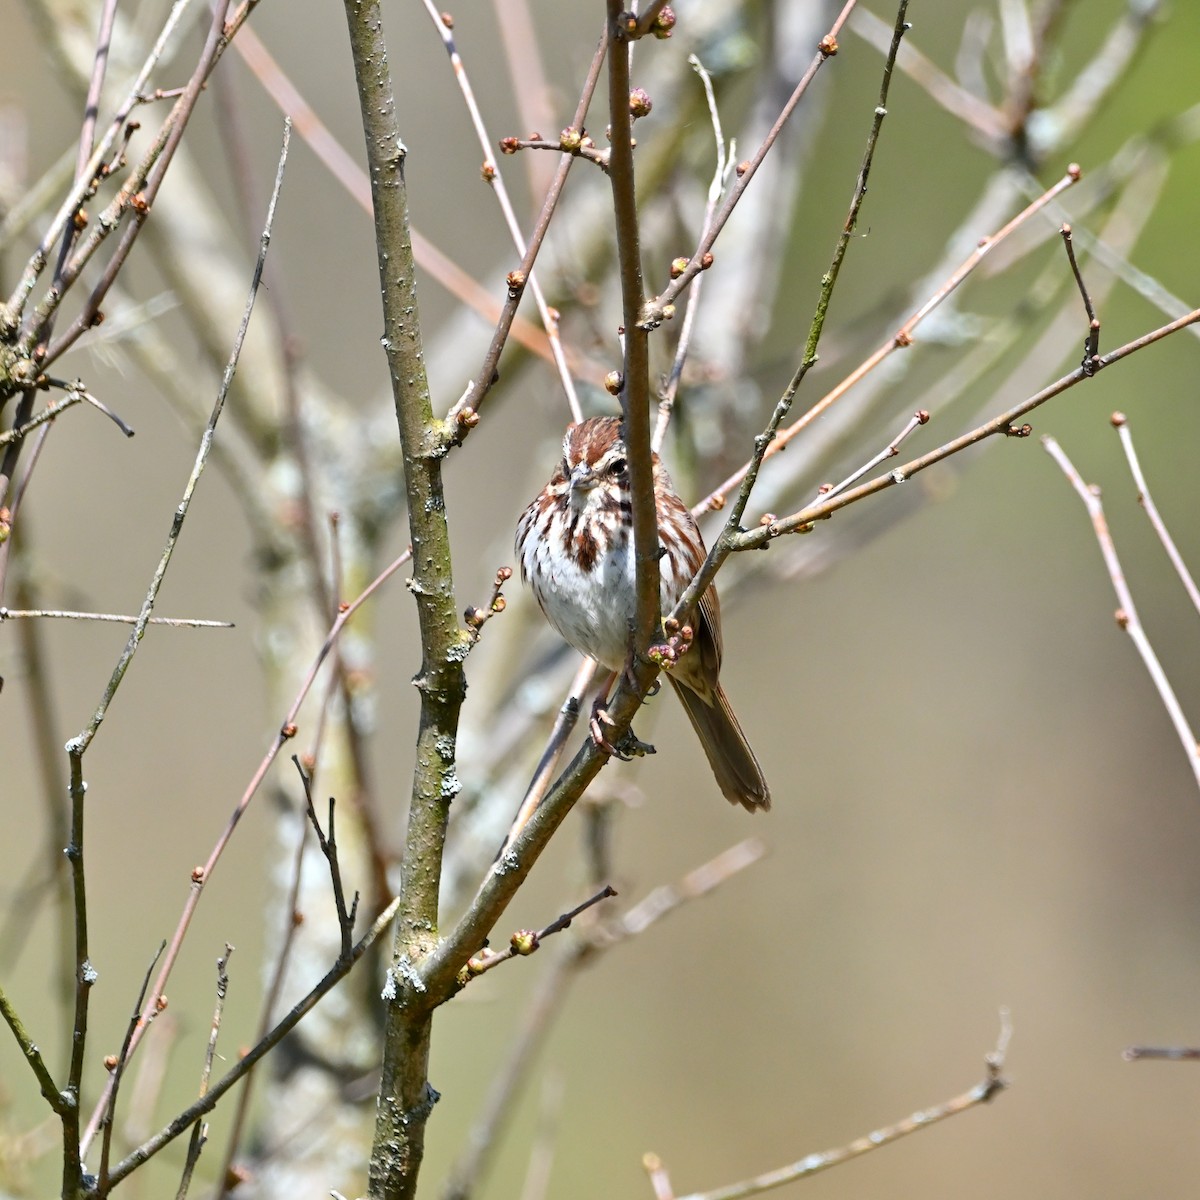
(627, 747)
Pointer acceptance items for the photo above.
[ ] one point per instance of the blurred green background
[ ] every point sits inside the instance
(979, 800)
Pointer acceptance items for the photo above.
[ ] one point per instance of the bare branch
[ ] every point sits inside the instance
(1092, 345)
(527, 941)
(117, 1067)
(206, 1103)
(1126, 615)
(982, 1093)
(1005, 423)
(1121, 424)
(32, 1055)
(492, 175)
(15, 614)
(902, 339)
(654, 312)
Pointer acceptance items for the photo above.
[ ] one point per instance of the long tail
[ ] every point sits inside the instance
(737, 772)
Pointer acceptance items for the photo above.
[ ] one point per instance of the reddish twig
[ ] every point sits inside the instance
(1121, 424)
(491, 174)
(287, 731)
(342, 166)
(1126, 615)
(653, 312)
(1004, 424)
(900, 340)
(464, 414)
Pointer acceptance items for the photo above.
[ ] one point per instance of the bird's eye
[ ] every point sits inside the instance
(617, 466)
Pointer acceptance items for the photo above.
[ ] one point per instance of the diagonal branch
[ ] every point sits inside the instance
(982, 1093)
(248, 1061)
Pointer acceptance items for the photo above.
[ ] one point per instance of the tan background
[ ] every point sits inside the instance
(979, 801)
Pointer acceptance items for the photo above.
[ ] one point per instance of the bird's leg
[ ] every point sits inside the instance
(628, 745)
(600, 716)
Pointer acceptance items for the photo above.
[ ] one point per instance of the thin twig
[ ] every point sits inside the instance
(568, 716)
(653, 313)
(491, 173)
(85, 977)
(77, 747)
(328, 844)
(720, 176)
(1121, 424)
(14, 614)
(287, 730)
(117, 1069)
(982, 1093)
(1170, 1053)
(526, 941)
(292, 919)
(919, 418)
(200, 1129)
(548, 998)
(583, 148)
(477, 618)
(900, 340)
(91, 110)
(1004, 423)
(206, 1103)
(31, 1054)
(1092, 345)
(1126, 615)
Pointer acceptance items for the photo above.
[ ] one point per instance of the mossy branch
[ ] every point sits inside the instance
(405, 1095)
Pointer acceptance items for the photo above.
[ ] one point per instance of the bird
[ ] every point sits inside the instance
(575, 545)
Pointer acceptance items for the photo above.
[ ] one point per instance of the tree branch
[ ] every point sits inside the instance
(405, 1097)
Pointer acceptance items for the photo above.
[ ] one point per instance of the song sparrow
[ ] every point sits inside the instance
(575, 543)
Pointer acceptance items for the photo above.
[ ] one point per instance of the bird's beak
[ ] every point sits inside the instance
(583, 478)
